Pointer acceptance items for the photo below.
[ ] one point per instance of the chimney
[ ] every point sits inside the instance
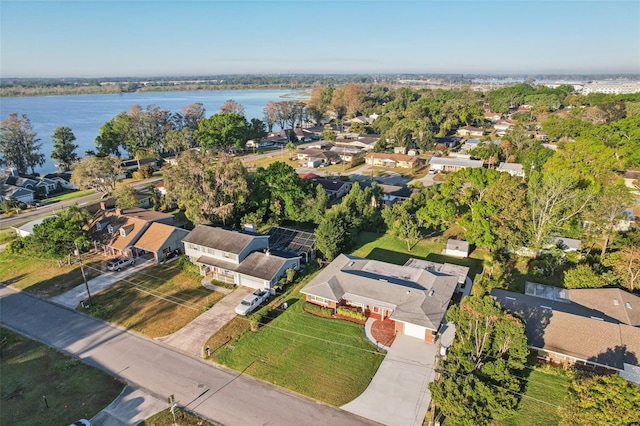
(118, 212)
(103, 205)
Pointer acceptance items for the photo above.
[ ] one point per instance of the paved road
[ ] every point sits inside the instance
(53, 208)
(213, 392)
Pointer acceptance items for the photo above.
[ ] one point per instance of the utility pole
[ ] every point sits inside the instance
(84, 276)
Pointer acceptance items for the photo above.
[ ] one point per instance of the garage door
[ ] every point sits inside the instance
(251, 282)
(414, 330)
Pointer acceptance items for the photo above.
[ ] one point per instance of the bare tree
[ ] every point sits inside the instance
(231, 106)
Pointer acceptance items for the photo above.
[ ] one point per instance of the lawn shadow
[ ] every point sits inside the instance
(389, 256)
(475, 265)
(266, 314)
(62, 283)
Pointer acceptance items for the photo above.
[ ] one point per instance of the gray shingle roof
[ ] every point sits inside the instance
(460, 162)
(219, 238)
(416, 295)
(261, 265)
(612, 302)
(574, 330)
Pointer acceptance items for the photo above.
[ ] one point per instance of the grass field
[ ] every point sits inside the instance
(276, 155)
(45, 278)
(325, 359)
(548, 386)
(155, 301)
(69, 195)
(31, 371)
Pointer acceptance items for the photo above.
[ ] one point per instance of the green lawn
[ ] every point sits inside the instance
(45, 278)
(31, 371)
(69, 195)
(325, 359)
(155, 301)
(548, 386)
(385, 248)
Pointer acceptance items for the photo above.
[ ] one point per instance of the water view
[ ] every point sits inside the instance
(84, 114)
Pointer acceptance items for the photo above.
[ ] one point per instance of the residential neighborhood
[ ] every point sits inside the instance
(358, 260)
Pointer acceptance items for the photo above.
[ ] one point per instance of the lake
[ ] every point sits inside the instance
(85, 114)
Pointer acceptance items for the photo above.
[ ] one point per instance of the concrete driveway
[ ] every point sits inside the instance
(192, 337)
(399, 395)
(73, 297)
(131, 407)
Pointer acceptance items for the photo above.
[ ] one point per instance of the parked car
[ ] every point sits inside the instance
(81, 422)
(252, 301)
(120, 262)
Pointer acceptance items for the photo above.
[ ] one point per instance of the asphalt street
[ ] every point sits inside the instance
(215, 393)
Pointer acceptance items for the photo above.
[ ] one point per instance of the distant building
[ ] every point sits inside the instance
(514, 169)
(611, 87)
(453, 164)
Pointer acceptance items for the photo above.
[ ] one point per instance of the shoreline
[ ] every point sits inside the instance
(84, 90)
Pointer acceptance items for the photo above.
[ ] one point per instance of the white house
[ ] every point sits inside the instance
(27, 229)
(236, 257)
(452, 164)
(514, 169)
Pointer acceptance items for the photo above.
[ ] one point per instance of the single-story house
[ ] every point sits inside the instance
(27, 229)
(413, 298)
(236, 257)
(347, 154)
(447, 142)
(160, 240)
(453, 164)
(334, 188)
(503, 125)
(313, 157)
(587, 329)
(383, 159)
(470, 131)
(566, 244)
(514, 169)
(457, 248)
(22, 195)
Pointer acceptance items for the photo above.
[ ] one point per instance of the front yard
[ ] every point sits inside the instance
(155, 301)
(45, 278)
(32, 372)
(326, 359)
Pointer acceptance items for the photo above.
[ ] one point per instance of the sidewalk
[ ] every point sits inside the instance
(73, 297)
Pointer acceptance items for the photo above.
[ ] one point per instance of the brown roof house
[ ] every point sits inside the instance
(594, 328)
(240, 258)
(116, 232)
(383, 159)
(160, 240)
(413, 297)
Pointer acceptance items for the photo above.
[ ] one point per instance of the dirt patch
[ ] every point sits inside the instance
(384, 332)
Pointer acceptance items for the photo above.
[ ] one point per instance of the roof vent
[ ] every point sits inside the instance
(597, 318)
(628, 305)
(383, 280)
(432, 292)
(352, 263)
(615, 302)
(545, 307)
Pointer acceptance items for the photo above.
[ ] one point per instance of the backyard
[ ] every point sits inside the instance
(386, 248)
(155, 301)
(546, 389)
(43, 387)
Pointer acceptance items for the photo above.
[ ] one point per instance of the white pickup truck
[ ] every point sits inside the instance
(252, 301)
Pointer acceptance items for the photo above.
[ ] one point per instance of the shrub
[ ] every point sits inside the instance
(346, 312)
(321, 310)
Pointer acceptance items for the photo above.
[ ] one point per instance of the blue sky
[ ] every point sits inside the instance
(155, 38)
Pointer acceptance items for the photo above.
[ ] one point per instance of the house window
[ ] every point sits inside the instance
(318, 299)
(376, 310)
(193, 247)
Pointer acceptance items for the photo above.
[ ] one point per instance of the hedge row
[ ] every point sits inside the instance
(346, 312)
(312, 308)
